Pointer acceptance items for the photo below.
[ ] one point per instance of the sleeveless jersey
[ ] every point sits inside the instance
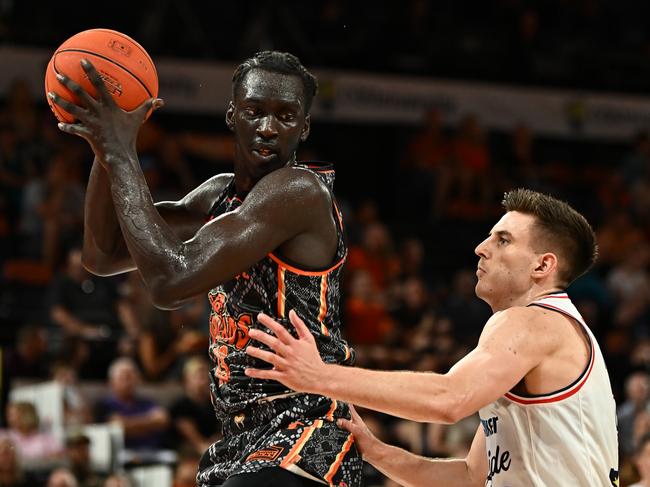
(273, 286)
(265, 424)
(567, 437)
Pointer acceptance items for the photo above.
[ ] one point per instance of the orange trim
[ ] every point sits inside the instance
(330, 413)
(339, 459)
(324, 330)
(302, 272)
(338, 214)
(347, 352)
(291, 457)
(323, 298)
(281, 296)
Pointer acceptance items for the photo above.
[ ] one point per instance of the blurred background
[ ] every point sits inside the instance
(430, 111)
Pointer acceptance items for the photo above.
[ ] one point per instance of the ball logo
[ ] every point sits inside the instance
(113, 86)
(117, 46)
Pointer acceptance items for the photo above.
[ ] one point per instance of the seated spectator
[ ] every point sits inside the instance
(194, 421)
(29, 359)
(91, 315)
(642, 462)
(77, 449)
(142, 419)
(185, 472)
(76, 410)
(637, 399)
(33, 445)
(168, 338)
(366, 316)
(11, 472)
(118, 480)
(62, 477)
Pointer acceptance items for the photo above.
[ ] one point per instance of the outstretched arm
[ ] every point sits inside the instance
(412, 470)
(510, 346)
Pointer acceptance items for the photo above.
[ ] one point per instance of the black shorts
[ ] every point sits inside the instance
(270, 477)
(298, 434)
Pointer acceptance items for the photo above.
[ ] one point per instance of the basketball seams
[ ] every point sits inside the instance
(105, 58)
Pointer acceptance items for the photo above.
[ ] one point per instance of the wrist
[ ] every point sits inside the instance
(377, 453)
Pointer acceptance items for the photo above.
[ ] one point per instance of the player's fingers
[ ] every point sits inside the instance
(76, 88)
(262, 374)
(74, 129)
(150, 104)
(74, 110)
(279, 330)
(299, 325)
(268, 340)
(97, 82)
(346, 424)
(355, 415)
(269, 357)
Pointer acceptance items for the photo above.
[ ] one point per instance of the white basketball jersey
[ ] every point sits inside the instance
(565, 438)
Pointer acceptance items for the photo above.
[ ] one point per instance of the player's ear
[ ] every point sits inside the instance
(230, 113)
(545, 265)
(305, 129)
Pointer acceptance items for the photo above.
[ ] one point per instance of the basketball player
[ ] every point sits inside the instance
(537, 377)
(267, 238)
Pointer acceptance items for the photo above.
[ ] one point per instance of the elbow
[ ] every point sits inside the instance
(164, 296)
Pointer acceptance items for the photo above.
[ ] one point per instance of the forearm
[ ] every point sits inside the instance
(104, 249)
(155, 248)
(140, 425)
(425, 397)
(411, 470)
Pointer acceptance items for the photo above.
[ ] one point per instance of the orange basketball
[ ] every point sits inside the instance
(126, 68)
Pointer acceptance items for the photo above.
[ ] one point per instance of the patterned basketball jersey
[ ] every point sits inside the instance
(567, 437)
(273, 286)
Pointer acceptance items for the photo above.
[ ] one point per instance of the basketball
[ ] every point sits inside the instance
(124, 65)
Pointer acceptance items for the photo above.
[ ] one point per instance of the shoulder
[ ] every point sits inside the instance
(531, 326)
(202, 197)
(296, 185)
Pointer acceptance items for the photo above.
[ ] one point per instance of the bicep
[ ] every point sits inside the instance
(503, 357)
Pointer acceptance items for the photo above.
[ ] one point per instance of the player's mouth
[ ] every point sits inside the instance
(265, 151)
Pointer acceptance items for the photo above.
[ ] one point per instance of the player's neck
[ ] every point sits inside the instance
(534, 293)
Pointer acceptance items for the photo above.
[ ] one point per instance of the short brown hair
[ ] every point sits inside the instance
(559, 226)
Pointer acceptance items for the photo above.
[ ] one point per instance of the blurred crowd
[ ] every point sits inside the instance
(408, 300)
(595, 44)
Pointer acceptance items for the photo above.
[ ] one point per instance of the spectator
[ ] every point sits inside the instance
(62, 477)
(91, 315)
(30, 359)
(642, 462)
(637, 391)
(185, 472)
(169, 338)
(35, 446)
(142, 419)
(118, 480)
(11, 472)
(194, 421)
(76, 410)
(77, 447)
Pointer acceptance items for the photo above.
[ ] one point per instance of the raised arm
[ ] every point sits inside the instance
(513, 342)
(412, 470)
(104, 250)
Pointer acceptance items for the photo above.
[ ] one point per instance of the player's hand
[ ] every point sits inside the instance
(296, 361)
(365, 440)
(110, 131)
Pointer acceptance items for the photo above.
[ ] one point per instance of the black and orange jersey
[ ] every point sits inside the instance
(273, 286)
